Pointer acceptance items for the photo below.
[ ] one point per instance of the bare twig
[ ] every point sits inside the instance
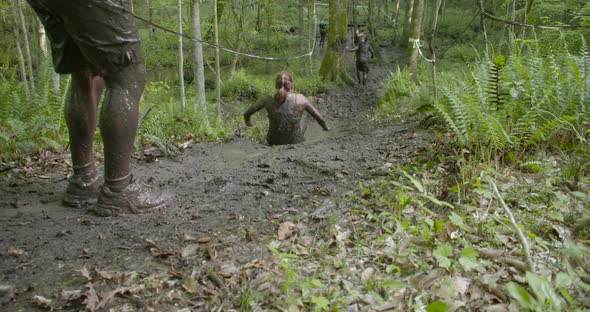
(521, 237)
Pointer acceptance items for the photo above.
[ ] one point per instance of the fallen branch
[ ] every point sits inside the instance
(521, 237)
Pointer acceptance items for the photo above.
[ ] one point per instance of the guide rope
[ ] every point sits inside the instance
(417, 44)
(552, 27)
(267, 58)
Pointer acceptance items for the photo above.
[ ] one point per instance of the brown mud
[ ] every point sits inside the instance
(229, 197)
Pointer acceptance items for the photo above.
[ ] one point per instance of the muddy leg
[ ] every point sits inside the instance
(118, 126)
(118, 122)
(359, 76)
(80, 115)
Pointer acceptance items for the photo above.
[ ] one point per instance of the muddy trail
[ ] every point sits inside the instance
(229, 200)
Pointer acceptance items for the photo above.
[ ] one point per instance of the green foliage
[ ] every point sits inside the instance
(398, 93)
(544, 297)
(38, 123)
(245, 87)
(523, 102)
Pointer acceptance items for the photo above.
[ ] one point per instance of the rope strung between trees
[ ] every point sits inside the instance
(552, 27)
(267, 58)
(417, 44)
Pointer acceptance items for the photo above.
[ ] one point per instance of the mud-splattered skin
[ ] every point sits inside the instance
(97, 42)
(285, 110)
(363, 51)
(285, 120)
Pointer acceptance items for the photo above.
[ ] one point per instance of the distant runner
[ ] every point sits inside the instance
(285, 111)
(363, 51)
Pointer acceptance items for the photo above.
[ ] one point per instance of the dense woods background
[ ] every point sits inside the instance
(505, 85)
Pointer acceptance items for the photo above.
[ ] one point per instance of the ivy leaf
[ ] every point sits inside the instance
(437, 306)
(522, 296)
(469, 259)
(320, 302)
(457, 220)
(543, 289)
(441, 254)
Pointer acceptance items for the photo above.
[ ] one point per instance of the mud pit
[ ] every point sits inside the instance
(229, 201)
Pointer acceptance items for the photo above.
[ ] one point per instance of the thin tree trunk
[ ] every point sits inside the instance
(355, 25)
(312, 32)
(394, 21)
(240, 17)
(199, 65)
(42, 40)
(524, 20)
(435, 14)
(333, 68)
(150, 17)
(181, 58)
(407, 23)
(483, 27)
(370, 15)
(217, 65)
(415, 30)
(19, 51)
(301, 32)
(19, 4)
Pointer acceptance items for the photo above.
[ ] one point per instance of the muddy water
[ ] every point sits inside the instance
(236, 193)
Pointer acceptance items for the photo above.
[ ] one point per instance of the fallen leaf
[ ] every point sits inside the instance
(189, 250)
(212, 252)
(286, 230)
(425, 281)
(189, 284)
(15, 252)
(203, 239)
(42, 302)
(228, 269)
(85, 273)
(71, 295)
(367, 273)
(92, 301)
(461, 284)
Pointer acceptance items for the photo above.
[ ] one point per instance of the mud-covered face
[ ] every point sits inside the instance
(284, 80)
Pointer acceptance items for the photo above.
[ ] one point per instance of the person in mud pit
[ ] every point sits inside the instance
(97, 43)
(285, 111)
(363, 51)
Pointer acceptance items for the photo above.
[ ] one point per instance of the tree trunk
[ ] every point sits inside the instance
(240, 19)
(435, 13)
(354, 22)
(181, 58)
(415, 30)
(370, 15)
(407, 23)
(199, 67)
(19, 4)
(19, 51)
(217, 65)
(150, 17)
(394, 21)
(311, 32)
(483, 28)
(333, 67)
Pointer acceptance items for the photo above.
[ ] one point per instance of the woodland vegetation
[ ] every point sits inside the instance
(501, 208)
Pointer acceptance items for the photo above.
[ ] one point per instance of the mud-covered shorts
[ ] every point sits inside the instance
(362, 66)
(98, 35)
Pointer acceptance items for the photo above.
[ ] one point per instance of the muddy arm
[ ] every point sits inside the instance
(253, 109)
(316, 115)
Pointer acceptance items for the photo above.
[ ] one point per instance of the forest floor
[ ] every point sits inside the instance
(240, 211)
